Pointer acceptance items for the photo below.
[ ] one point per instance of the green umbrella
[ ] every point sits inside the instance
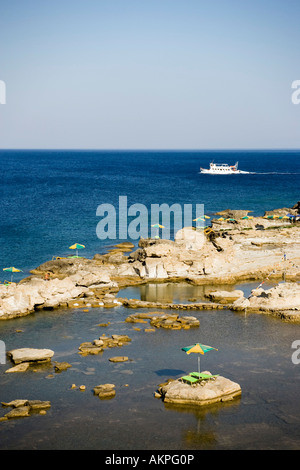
(12, 270)
(198, 348)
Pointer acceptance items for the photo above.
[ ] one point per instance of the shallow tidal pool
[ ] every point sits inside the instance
(254, 350)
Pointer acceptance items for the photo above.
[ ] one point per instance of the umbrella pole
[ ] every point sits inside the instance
(199, 364)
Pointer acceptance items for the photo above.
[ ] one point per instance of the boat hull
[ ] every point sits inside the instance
(220, 172)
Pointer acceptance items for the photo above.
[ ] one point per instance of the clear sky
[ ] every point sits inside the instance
(149, 74)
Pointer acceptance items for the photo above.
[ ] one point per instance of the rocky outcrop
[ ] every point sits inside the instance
(248, 249)
(282, 300)
(98, 345)
(205, 392)
(167, 321)
(220, 256)
(69, 282)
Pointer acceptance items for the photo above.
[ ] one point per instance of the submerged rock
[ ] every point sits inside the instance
(60, 366)
(98, 345)
(164, 320)
(105, 391)
(22, 408)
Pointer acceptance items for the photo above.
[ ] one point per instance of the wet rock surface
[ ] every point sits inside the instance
(21, 408)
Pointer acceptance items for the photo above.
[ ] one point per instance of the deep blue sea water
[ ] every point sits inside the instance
(49, 198)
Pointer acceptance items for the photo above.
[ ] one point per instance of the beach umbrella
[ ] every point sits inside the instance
(198, 348)
(201, 217)
(12, 270)
(246, 217)
(285, 217)
(230, 220)
(76, 247)
(158, 226)
(221, 218)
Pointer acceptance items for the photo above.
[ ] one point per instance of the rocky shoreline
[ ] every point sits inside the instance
(231, 251)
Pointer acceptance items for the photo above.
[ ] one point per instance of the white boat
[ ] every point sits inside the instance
(222, 169)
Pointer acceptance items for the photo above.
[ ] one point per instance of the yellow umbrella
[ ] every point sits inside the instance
(221, 218)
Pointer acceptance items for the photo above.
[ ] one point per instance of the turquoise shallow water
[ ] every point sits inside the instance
(253, 350)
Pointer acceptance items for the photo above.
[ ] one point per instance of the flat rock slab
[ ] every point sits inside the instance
(204, 393)
(30, 355)
(22, 367)
(60, 366)
(22, 408)
(119, 359)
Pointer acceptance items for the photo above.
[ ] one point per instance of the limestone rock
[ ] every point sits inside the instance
(105, 391)
(20, 412)
(23, 367)
(225, 296)
(60, 366)
(30, 355)
(119, 359)
(204, 393)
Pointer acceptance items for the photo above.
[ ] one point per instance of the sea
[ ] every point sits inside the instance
(49, 198)
(49, 201)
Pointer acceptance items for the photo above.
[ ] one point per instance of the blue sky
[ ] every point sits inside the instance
(149, 74)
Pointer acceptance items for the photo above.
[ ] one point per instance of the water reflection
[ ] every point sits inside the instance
(182, 292)
(175, 292)
(204, 433)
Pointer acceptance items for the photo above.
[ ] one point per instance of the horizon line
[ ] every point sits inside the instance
(155, 149)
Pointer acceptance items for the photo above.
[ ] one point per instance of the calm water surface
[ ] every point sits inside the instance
(253, 350)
